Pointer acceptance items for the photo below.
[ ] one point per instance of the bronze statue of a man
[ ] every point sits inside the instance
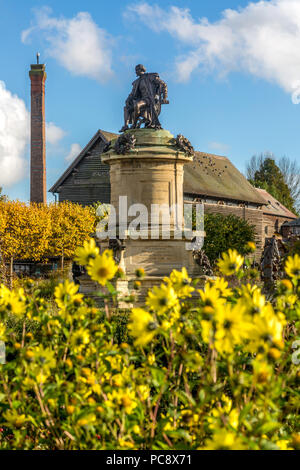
(143, 105)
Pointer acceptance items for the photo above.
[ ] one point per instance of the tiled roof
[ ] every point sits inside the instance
(216, 176)
(274, 207)
(292, 223)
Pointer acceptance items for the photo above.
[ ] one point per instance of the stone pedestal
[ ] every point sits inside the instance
(151, 172)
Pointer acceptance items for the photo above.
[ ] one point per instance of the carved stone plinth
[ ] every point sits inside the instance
(149, 170)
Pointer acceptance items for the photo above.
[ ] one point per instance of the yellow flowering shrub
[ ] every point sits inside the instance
(37, 231)
(71, 225)
(197, 367)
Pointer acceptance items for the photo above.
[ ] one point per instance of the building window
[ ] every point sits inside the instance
(266, 230)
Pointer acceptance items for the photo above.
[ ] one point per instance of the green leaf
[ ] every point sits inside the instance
(111, 289)
(158, 377)
(267, 445)
(245, 412)
(269, 427)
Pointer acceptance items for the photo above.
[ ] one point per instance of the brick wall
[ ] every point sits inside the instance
(272, 224)
(38, 139)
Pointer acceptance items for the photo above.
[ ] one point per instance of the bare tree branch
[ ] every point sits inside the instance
(289, 168)
(255, 164)
(291, 173)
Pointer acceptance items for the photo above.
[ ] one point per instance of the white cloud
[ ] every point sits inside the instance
(54, 133)
(262, 39)
(14, 137)
(219, 147)
(78, 44)
(74, 152)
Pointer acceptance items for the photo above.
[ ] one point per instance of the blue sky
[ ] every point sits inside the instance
(231, 77)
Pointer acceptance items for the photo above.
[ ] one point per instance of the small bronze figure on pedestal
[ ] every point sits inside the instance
(143, 105)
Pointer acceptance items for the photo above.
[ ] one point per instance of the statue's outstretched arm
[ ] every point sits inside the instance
(163, 88)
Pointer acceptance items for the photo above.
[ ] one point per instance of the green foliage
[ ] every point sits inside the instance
(213, 373)
(270, 178)
(17, 326)
(224, 232)
(294, 249)
(44, 287)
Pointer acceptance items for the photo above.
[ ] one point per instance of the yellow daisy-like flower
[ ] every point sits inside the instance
(258, 301)
(287, 301)
(113, 399)
(87, 420)
(250, 246)
(125, 444)
(140, 273)
(180, 281)
(41, 361)
(124, 399)
(143, 392)
(44, 357)
(292, 267)
(41, 377)
(207, 331)
(284, 444)
(151, 359)
(286, 285)
(230, 328)
(66, 294)
(296, 441)
(117, 380)
(210, 300)
(225, 440)
(223, 409)
(128, 401)
(230, 263)
(102, 268)
(262, 371)
(13, 418)
(142, 326)
(166, 325)
(70, 409)
(266, 330)
(136, 429)
(88, 252)
(222, 286)
(253, 301)
(163, 298)
(247, 289)
(79, 339)
(13, 300)
(2, 331)
(115, 361)
(189, 418)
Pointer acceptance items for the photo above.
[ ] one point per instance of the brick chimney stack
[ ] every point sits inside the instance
(38, 138)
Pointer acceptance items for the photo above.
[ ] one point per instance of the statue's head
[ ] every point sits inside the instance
(140, 70)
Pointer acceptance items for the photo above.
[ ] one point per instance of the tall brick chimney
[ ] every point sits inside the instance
(38, 138)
